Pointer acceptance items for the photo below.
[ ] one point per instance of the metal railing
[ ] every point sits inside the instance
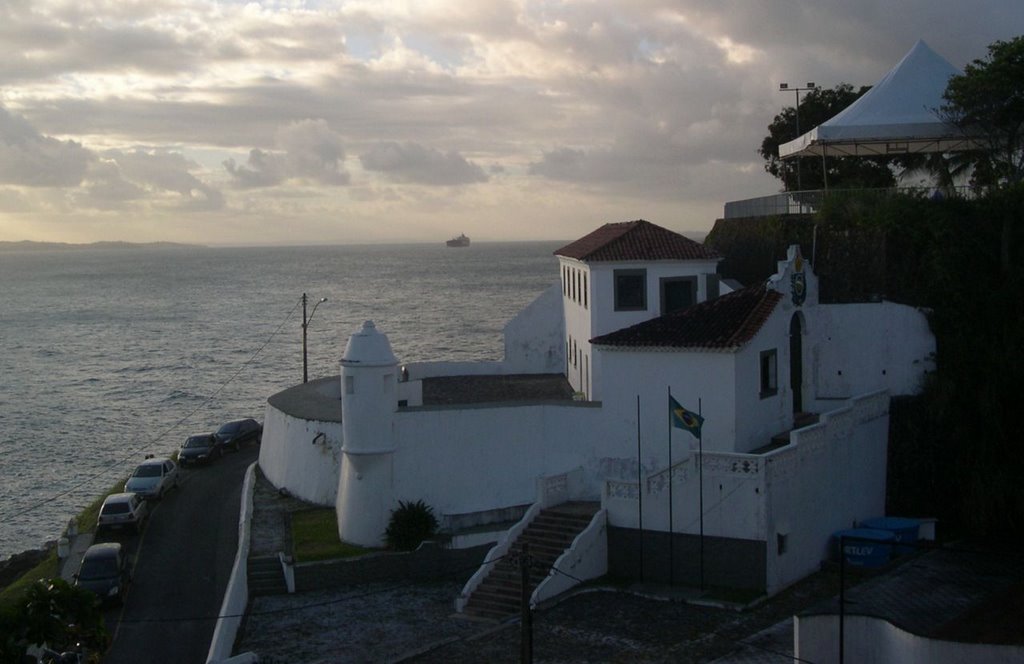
(811, 200)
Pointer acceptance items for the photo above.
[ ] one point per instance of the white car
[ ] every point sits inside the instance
(153, 478)
(122, 510)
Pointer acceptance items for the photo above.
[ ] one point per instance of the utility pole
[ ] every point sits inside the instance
(305, 325)
(784, 87)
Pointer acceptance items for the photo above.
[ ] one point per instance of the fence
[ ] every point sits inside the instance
(811, 200)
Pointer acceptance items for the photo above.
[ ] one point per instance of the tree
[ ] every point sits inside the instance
(59, 614)
(987, 101)
(819, 105)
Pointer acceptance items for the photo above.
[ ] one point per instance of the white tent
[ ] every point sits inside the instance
(896, 116)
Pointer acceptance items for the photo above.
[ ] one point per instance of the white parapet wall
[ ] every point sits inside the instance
(303, 456)
(830, 476)
(869, 640)
(236, 595)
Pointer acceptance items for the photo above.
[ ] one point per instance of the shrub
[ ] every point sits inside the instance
(410, 524)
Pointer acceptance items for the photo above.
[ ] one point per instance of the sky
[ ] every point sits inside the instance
(337, 122)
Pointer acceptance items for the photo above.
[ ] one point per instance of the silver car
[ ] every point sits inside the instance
(122, 510)
(152, 478)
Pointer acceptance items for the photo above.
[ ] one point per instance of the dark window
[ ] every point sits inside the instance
(585, 292)
(630, 290)
(713, 286)
(769, 373)
(678, 293)
(782, 542)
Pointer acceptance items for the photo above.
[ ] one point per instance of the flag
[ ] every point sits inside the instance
(684, 419)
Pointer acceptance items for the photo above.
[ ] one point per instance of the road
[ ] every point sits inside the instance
(183, 560)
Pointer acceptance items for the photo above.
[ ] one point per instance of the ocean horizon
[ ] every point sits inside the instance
(108, 354)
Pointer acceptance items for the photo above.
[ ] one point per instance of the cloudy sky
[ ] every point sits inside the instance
(327, 121)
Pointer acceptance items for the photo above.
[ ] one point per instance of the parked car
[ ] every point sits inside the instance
(200, 448)
(123, 510)
(104, 571)
(152, 478)
(237, 432)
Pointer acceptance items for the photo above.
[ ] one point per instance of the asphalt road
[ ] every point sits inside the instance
(182, 561)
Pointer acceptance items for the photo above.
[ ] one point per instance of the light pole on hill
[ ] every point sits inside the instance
(784, 87)
(305, 326)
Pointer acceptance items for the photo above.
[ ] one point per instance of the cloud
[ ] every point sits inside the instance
(620, 106)
(308, 150)
(30, 159)
(415, 163)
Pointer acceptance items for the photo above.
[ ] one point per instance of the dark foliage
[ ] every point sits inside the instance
(410, 525)
(987, 100)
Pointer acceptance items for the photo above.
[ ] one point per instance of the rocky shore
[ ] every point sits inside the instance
(15, 566)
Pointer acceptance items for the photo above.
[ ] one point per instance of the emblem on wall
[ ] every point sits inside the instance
(798, 280)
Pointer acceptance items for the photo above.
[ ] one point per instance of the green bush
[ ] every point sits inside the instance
(410, 525)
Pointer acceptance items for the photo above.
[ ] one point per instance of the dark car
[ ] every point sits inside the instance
(200, 448)
(104, 572)
(237, 432)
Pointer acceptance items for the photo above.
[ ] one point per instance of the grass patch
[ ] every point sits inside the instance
(315, 537)
(47, 569)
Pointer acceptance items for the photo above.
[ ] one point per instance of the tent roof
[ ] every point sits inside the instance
(896, 116)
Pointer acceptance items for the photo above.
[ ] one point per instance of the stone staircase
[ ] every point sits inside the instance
(266, 577)
(499, 595)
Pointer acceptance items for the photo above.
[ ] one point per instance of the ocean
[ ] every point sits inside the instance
(109, 354)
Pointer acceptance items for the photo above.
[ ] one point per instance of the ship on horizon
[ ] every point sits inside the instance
(461, 241)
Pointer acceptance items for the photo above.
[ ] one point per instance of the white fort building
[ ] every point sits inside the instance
(794, 396)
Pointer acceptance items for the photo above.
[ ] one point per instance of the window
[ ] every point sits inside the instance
(769, 373)
(678, 293)
(350, 384)
(713, 282)
(781, 542)
(630, 290)
(585, 291)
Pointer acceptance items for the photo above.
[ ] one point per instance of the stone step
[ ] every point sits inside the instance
(265, 576)
(551, 532)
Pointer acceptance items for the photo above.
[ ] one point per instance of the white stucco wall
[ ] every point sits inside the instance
(871, 346)
(462, 460)
(763, 417)
(535, 338)
(830, 477)
(602, 279)
(707, 378)
(870, 640)
(290, 458)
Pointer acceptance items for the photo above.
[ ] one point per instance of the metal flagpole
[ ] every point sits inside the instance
(639, 488)
(700, 481)
(671, 529)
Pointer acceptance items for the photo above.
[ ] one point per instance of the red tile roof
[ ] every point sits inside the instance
(635, 241)
(724, 323)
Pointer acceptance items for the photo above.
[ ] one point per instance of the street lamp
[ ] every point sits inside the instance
(784, 87)
(305, 325)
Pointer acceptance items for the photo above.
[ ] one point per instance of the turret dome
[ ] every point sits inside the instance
(368, 348)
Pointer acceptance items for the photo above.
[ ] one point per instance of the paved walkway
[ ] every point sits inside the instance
(271, 518)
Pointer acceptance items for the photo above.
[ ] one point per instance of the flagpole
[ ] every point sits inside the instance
(700, 481)
(639, 488)
(671, 524)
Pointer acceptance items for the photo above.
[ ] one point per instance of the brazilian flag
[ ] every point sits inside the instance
(683, 418)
